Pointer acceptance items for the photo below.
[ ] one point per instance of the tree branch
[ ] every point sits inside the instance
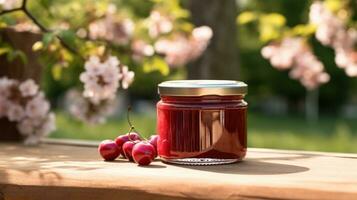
(24, 9)
(35, 21)
(10, 11)
(46, 30)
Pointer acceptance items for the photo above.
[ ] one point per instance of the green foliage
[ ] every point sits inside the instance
(303, 30)
(246, 17)
(11, 53)
(270, 26)
(156, 63)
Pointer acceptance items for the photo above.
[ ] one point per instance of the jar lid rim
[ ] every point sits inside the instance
(202, 87)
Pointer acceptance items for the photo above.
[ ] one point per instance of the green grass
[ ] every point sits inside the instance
(329, 134)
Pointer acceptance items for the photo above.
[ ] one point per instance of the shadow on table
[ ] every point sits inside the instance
(269, 164)
(252, 167)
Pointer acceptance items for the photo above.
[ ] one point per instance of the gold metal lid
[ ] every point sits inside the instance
(202, 88)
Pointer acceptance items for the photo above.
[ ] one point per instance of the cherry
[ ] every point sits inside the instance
(128, 148)
(120, 140)
(109, 150)
(134, 136)
(153, 140)
(143, 153)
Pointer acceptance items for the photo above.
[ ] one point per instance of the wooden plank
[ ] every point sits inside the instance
(62, 171)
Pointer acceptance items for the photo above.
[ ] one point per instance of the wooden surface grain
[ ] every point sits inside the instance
(77, 172)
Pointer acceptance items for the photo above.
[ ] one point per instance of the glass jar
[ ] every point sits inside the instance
(202, 122)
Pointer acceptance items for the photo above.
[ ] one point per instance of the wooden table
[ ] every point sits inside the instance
(76, 172)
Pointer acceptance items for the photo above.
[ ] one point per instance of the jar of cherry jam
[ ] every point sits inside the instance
(202, 122)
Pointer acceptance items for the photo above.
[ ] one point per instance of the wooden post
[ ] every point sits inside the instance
(18, 70)
(220, 60)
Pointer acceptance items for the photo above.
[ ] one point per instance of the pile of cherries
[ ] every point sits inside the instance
(130, 146)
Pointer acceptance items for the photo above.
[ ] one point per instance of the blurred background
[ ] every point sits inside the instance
(292, 54)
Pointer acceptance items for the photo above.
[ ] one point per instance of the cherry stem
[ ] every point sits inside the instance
(132, 128)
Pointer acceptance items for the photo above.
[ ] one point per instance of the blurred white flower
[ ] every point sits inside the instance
(202, 33)
(48, 125)
(15, 112)
(101, 79)
(176, 50)
(316, 10)
(159, 24)
(110, 28)
(82, 33)
(84, 110)
(332, 31)
(351, 70)
(294, 54)
(32, 140)
(9, 4)
(5, 86)
(141, 49)
(26, 27)
(37, 107)
(24, 104)
(180, 50)
(268, 51)
(127, 77)
(26, 127)
(28, 88)
(199, 41)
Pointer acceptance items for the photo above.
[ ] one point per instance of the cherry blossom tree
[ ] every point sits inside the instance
(288, 48)
(105, 36)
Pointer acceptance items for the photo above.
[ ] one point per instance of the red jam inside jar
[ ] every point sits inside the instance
(202, 122)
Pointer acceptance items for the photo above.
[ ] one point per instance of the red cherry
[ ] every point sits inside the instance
(143, 153)
(153, 140)
(128, 148)
(120, 140)
(109, 150)
(134, 136)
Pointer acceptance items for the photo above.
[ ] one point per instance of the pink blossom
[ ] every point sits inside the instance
(159, 24)
(176, 50)
(141, 49)
(48, 125)
(9, 4)
(26, 127)
(268, 51)
(294, 54)
(15, 112)
(101, 79)
(32, 140)
(28, 88)
(127, 77)
(180, 50)
(5, 85)
(37, 107)
(32, 115)
(202, 33)
(110, 28)
(84, 110)
(199, 40)
(351, 70)
(332, 31)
